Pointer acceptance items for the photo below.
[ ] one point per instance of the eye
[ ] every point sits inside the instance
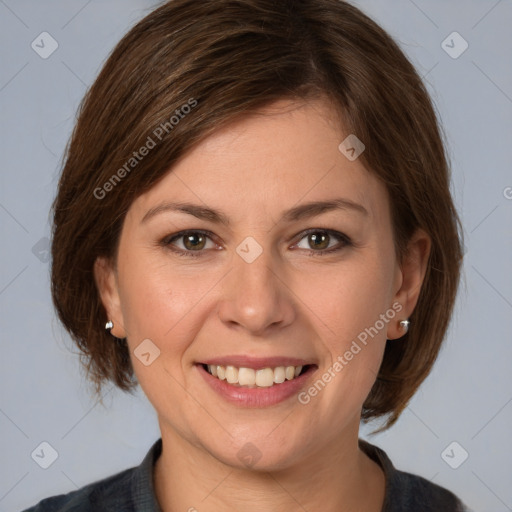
(192, 241)
(319, 241)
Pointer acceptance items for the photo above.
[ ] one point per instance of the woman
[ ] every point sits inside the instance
(225, 146)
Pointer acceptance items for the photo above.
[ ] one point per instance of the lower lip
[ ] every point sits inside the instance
(256, 397)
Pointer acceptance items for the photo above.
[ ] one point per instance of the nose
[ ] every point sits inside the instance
(255, 296)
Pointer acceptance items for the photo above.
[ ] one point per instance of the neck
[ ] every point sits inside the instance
(338, 478)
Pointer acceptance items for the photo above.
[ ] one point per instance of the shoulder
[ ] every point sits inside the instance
(405, 491)
(111, 493)
(413, 492)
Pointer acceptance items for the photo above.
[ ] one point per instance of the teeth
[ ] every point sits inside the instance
(246, 377)
(263, 378)
(231, 374)
(279, 374)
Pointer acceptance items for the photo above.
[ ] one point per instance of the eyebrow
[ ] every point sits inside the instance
(301, 211)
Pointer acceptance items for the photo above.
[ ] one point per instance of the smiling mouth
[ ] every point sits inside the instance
(262, 378)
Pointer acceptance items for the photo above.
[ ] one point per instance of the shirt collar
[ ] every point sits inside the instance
(142, 488)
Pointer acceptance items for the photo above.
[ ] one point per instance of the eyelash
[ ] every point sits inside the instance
(345, 242)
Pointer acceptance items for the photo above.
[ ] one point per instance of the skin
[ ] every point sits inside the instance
(289, 301)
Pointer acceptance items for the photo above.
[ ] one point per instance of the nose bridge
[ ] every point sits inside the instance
(255, 295)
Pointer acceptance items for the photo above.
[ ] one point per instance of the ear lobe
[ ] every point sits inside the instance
(106, 282)
(413, 270)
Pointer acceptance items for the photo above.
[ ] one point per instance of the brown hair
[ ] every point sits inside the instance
(229, 58)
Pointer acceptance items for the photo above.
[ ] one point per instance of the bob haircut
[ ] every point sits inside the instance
(190, 67)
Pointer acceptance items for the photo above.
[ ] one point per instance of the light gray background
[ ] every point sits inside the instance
(468, 396)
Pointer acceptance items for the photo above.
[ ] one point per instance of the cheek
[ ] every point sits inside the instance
(162, 304)
(350, 299)
(148, 301)
(352, 312)
(150, 296)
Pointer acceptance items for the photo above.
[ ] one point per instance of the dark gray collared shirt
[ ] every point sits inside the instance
(132, 490)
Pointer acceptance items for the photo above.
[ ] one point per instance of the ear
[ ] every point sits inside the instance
(106, 282)
(411, 274)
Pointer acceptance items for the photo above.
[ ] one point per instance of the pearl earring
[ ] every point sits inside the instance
(404, 324)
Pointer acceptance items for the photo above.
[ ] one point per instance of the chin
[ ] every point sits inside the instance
(258, 453)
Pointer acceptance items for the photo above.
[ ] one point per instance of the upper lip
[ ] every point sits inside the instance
(256, 363)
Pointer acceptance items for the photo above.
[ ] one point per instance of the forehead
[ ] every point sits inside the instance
(281, 156)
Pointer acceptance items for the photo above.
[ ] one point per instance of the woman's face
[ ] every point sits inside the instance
(261, 281)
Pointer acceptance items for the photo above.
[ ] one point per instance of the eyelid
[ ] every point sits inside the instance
(166, 241)
(330, 232)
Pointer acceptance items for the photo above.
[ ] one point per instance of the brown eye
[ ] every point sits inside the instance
(318, 241)
(189, 243)
(194, 241)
